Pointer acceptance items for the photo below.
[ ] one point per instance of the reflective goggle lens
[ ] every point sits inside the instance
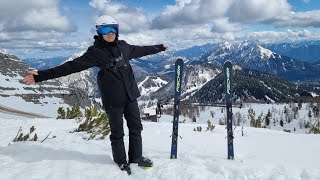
(105, 30)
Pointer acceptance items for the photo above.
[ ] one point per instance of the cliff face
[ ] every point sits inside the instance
(12, 71)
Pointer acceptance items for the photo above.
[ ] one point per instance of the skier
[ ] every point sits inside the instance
(159, 108)
(119, 91)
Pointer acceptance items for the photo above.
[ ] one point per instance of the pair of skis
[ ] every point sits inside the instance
(177, 94)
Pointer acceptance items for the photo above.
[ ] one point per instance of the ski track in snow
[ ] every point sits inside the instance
(16, 112)
(263, 154)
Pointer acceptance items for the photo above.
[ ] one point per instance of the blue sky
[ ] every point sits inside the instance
(38, 28)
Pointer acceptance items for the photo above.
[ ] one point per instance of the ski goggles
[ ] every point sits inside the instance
(105, 30)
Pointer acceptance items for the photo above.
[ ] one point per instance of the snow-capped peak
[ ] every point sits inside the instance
(4, 51)
(74, 56)
(225, 44)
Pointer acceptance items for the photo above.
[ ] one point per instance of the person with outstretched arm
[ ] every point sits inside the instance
(117, 85)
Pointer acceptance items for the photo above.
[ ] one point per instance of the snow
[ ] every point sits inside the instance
(237, 67)
(262, 154)
(20, 88)
(264, 84)
(271, 100)
(167, 66)
(266, 53)
(284, 66)
(4, 51)
(158, 82)
(150, 111)
(198, 80)
(203, 114)
(16, 102)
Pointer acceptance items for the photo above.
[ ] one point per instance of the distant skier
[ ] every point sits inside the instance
(159, 108)
(119, 91)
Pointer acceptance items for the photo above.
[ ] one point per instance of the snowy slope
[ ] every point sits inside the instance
(262, 154)
(196, 76)
(150, 84)
(4, 51)
(16, 95)
(13, 94)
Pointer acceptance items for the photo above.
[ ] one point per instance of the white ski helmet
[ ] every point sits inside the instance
(107, 20)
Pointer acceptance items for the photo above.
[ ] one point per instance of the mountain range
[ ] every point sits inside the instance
(202, 80)
(44, 63)
(305, 51)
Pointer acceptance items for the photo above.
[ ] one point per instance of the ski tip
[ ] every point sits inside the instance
(179, 60)
(227, 63)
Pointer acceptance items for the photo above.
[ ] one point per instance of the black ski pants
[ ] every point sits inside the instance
(130, 110)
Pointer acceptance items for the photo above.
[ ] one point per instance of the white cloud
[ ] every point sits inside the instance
(31, 39)
(26, 26)
(39, 26)
(253, 11)
(275, 36)
(223, 25)
(299, 19)
(129, 19)
(186, 12)
(44, 48)
(229, 15)
(36, 15)
(179, 37)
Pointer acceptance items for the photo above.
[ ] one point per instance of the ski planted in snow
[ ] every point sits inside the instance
(177, 93)
(227, 67)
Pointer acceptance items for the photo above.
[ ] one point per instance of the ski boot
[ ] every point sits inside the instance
(125, 167)
(143, 162)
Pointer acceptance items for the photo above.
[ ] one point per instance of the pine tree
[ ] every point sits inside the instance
(281, 123)
(258, 123)
(74, 113)
(309, 114)
(315, 130)
(26, 137)
(251, 117)
(61, 113)
(210, 126)
(96, 123)
(267, 118)
(315, 111)
(212, 114)
(194, 119)
(300, 104)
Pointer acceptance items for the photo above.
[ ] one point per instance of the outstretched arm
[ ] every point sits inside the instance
(87, 60)
(139, 51)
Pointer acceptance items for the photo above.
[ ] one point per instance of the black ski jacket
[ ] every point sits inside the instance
(115, 79)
